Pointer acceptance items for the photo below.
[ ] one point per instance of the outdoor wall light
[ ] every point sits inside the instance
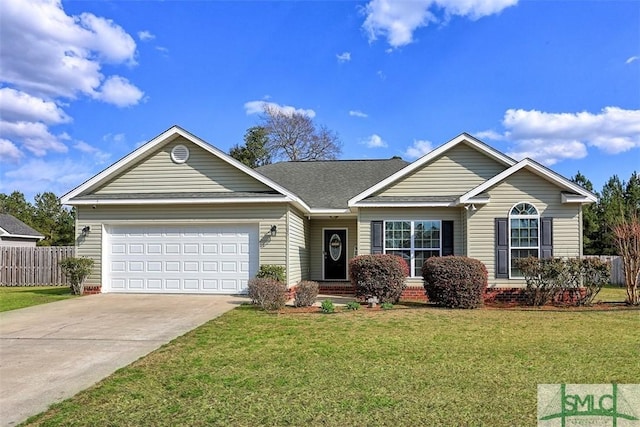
(274, 230)
(85, 230)
(472, 207)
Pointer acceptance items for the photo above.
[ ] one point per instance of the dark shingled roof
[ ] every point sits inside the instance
(13, 225)
(330, 183)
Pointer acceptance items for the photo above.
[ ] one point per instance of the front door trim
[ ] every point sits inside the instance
(345, 250)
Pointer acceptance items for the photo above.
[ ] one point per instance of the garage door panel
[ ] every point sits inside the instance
(195, 258)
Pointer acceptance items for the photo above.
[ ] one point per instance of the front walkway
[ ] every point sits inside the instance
(51, 352)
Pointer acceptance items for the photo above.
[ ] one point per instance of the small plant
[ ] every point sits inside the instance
(267, 293)
(386, 306)
(306, 293)
(272, 271)
(353, 305)
(327, 306)
(76, 270)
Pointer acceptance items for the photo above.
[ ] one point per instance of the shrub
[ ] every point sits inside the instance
(327, 306)
(306, 293)
(353, 305)
(569, 281)
(267, 293)
(455, 281)
(379, 276)
(386, 306)
(272, 271)
(76, 270)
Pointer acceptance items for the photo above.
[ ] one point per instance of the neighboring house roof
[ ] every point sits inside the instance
(11, 226)
(575, 194)
(107, 174)
(329, 184)
(463, 138)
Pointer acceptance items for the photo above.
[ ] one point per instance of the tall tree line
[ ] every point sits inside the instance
(47, 215)
(617, 199)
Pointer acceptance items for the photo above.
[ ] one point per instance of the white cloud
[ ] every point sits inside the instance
(419, 148)
(489, 134)
(145, 36)
(48, 56)
(38, 175)
(382, 75)
(344, 57)
(358, 113)
(257, 107)
(375, 141)
(117, 138)
(9, 153)
(397, 20)
(119, 91)
(20, 106)
(100, 156)
(35, 137)
(553, 137)
(632, 59)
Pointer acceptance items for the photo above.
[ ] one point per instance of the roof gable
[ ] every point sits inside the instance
(469, 167)
(202, 172)
(577, 194)
(430, 157)
(152, 151)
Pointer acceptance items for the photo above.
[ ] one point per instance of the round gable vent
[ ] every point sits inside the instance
(180, 154)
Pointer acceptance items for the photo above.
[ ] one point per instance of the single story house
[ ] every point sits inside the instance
(178, 215)
(16, 233)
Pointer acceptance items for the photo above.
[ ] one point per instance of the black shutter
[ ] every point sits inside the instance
(376, 237)
(447, 238)
(546, 237)
(502, 247)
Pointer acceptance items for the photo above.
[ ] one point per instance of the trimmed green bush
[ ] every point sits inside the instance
(353, 305)
(455, 281)
(306, 293)
(272, 271)
(380, 276)
(267, 293)
(76, 270)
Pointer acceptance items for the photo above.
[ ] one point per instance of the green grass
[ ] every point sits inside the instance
(612, 293)
(407, 366)
(13, 297)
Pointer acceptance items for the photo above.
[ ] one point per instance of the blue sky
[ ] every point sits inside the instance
(83, 83)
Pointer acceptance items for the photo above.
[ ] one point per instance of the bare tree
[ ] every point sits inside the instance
(627, 238)
(294, 136)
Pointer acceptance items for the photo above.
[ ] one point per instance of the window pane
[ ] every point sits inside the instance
(520, 253)
(427, 234)
(420, 258)
(397, 234)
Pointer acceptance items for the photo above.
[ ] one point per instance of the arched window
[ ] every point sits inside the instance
(524, 234)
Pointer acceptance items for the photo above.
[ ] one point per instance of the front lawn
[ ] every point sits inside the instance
(412, 366)
(13, 297)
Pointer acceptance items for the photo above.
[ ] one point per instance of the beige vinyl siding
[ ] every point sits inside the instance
(298, 235)
(457, 171)
(272, 249)
(317, 241)
(409, 214)
(523, 186)
(202, 172)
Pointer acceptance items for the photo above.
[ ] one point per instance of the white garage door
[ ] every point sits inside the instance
(180, 259)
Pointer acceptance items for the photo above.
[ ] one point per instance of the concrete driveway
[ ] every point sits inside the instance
(51, 352)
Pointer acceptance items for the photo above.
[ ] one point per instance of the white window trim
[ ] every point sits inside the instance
(412, 238)
(537, 216)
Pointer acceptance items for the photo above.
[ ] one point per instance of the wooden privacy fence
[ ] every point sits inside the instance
(617, 268)
(33, 266)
